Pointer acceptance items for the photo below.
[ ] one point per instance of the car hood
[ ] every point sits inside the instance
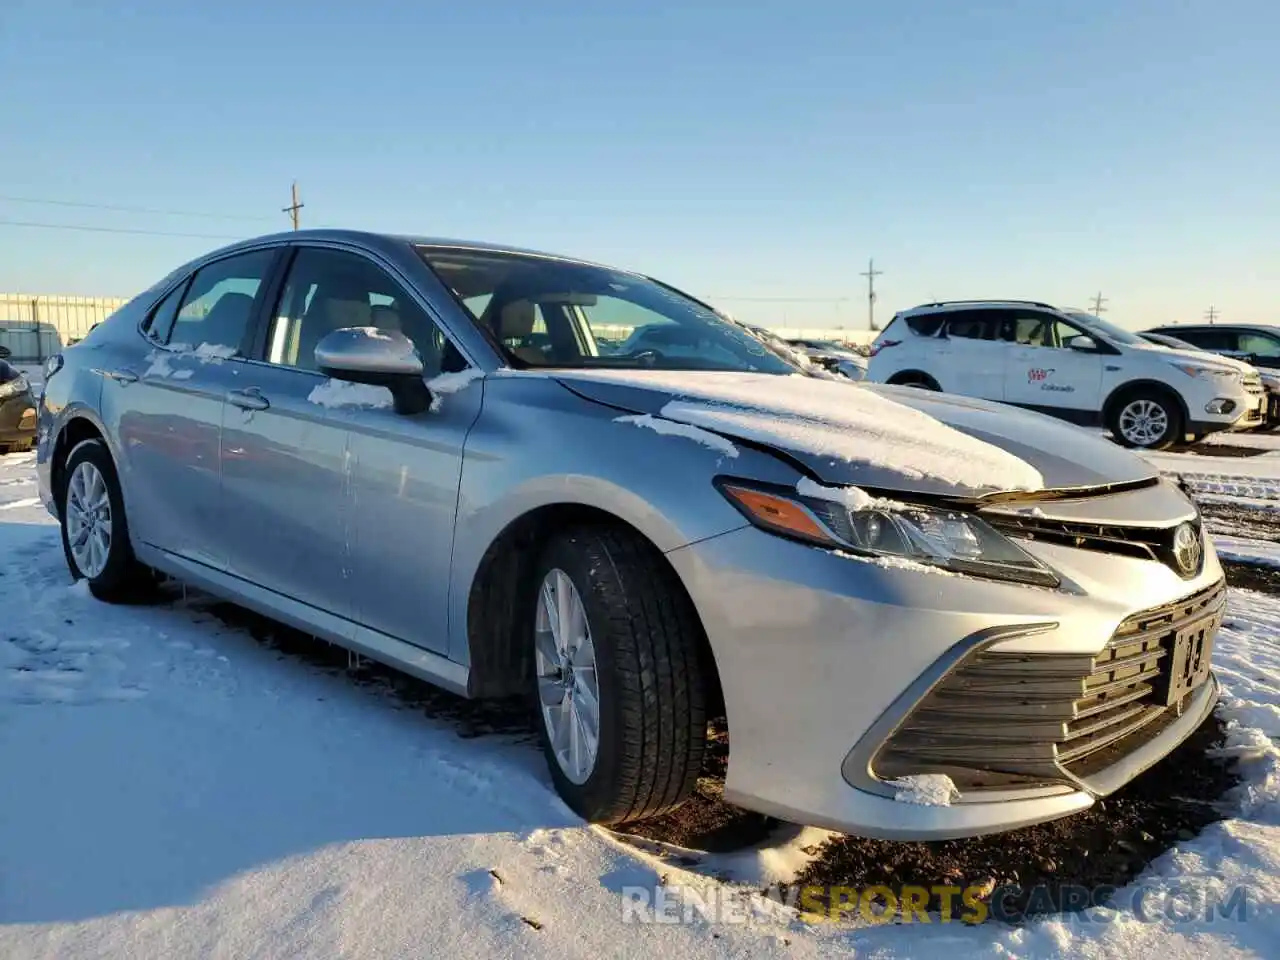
(874, 436)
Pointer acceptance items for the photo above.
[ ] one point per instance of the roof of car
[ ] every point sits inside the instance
(948, 305)
(377, 239)
(1172, 328)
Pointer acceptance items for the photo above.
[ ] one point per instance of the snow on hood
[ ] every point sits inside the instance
(867, 435)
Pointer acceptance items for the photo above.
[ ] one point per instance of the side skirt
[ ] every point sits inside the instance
(415, 661)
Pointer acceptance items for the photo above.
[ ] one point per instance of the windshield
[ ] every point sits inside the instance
(1095, 324)
(554, 313)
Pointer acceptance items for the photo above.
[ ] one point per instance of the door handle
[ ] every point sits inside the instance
(124, 377)
(250, 398)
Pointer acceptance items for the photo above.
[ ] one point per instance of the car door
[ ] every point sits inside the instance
(970, 357)
(1046, 371)
(374, 524)
(166, 407)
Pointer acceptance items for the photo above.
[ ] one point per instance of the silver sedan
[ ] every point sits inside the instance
(923, 616)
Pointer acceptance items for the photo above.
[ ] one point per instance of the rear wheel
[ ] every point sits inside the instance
(1147, 420)
(920, 380)
(617, 675)
(95, 533)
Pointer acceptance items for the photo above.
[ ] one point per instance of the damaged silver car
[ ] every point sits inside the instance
(443, 455)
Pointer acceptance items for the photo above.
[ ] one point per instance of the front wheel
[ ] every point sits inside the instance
(617, 675)
(1148, 421)
(95, 533)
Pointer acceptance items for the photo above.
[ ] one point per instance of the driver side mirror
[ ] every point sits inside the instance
(1084, 343)
(380, 358)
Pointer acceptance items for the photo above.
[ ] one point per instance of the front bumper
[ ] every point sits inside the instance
(822, 656)
(17, 419)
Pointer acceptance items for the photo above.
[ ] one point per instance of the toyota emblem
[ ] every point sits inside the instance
(1187, 550)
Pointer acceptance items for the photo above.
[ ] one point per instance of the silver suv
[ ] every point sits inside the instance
(416, 449)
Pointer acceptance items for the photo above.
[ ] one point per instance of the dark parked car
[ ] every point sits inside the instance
(17, 410)
(1257, 344)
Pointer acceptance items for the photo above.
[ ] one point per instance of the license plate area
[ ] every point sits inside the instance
(1191, 657)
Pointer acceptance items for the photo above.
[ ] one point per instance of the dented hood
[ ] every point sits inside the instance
(874, 436)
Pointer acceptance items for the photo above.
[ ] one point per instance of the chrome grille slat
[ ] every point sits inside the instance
(1032, 715)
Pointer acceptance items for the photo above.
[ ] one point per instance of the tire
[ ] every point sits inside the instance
(645, 641)
(114, 573)
(1135, 420)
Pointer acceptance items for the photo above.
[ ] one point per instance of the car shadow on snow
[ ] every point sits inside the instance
(155, 753)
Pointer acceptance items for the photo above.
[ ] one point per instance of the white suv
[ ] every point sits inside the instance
(1068, 364)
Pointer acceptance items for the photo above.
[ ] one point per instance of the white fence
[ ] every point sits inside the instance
(34, 326)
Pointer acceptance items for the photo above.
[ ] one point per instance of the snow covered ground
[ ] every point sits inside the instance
(172, 787)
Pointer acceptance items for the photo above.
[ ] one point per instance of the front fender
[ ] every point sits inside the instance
(536, 445)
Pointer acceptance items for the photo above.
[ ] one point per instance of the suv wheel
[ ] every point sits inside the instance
(1146, 419)
(95, 533)
(617, 676)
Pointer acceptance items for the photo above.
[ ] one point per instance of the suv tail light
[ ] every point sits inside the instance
(883, 345)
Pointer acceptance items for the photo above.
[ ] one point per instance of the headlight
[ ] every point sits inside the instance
(845, 518)
(1207, 373)
(14, 387)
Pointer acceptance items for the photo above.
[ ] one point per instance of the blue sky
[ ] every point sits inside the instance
(739, 150)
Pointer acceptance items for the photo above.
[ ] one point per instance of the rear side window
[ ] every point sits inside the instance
(926, 324)
(975, 325)
(1261, 345)
(160, 323)
(220, 301)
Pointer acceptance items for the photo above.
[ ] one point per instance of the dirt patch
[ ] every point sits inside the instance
(706, 822)
(1248, 576)
(1223, 450)
(1104, 846)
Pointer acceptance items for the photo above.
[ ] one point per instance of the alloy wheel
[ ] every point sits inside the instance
(568, 690)
(1143, 422)
(89, 526)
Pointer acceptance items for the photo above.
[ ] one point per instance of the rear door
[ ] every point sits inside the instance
(167, 409)
(970, 357)
(1045, 371)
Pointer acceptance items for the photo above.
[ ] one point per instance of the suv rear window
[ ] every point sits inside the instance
(925, 324)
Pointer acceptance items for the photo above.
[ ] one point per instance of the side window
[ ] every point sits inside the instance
(160, 323)
(1208, 339)
(329, 290)
(1260, 344)
(974, 325)
(219, 302)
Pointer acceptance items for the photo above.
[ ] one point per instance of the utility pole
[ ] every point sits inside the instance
(1099, 304)
(871, 273)
(1211, 314)
(293, 209)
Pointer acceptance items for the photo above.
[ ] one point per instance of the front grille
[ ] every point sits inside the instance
(1001, 719)
(1145, 543)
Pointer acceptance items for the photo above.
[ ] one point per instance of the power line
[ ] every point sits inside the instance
(1211, 314)
(125, 209)
(85, 227)
(1099, 304)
